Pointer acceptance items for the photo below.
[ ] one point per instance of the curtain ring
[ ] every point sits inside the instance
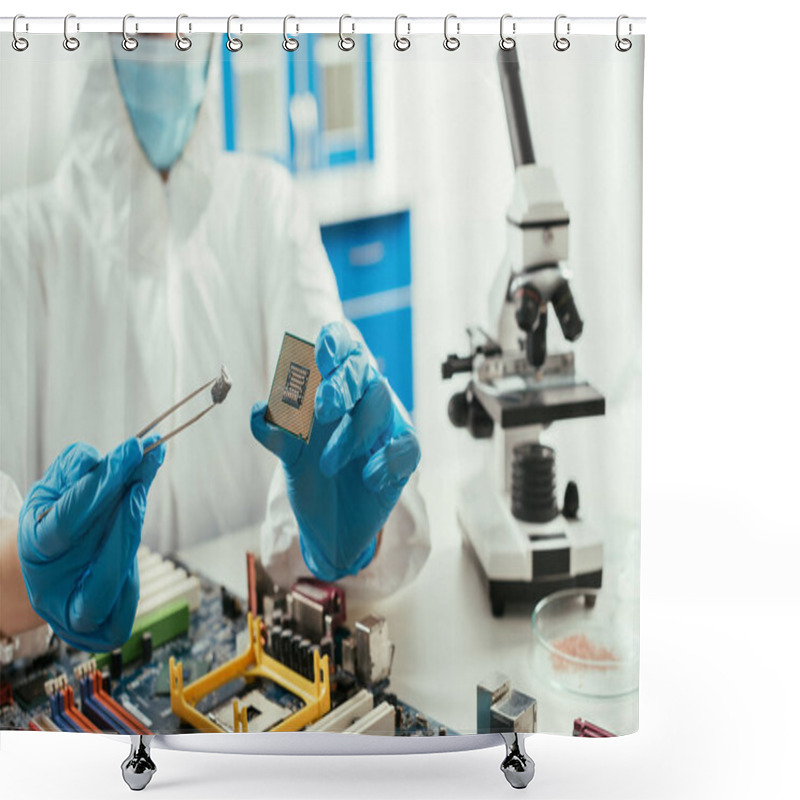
(622, 44)
(234, 44)
(561, 43)
(401, 43)
(18, 42)
(129, 43)
(346, 43)
(183, 43)
(71, 43)
(451, 43)
(290, 44)
(507, 42)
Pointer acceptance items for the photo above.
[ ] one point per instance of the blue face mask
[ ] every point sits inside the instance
(163, 89)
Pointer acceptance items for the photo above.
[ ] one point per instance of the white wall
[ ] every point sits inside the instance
(37, 106)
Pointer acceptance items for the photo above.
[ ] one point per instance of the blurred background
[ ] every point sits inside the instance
(405, 159)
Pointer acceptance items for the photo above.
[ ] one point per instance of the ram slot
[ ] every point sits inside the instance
(184, 587)
(95, 708)
(57, 714)
(72, 711)
(379, 721)
(122, 713)
(344, 715)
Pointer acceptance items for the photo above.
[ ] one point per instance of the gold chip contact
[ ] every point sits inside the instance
(294, 387)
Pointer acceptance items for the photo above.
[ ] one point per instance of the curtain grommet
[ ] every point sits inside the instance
(182, 42)
(290, 44)
(623, 44)
(401, 43)
(234, 43)
(451, 43)
(71, 43)
(19, 43)
(507, 42)
(561, 43)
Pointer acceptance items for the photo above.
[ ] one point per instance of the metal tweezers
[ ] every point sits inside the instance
(219, 391)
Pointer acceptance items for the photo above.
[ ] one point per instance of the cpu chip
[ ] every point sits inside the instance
(294, 387)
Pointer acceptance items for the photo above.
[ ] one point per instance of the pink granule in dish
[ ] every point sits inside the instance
(581, 647)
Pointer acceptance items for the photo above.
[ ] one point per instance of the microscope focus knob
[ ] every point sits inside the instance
(479, 423)
(571, 501)
(465, 411)
(458, 409)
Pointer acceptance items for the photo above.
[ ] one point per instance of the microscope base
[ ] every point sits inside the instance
(524, 562)
(511, 592)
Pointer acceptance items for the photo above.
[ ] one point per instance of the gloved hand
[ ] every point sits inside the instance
(79, 560)
(343, 484)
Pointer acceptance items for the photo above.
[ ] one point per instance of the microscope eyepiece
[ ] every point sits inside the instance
(528, 304)
(567, 312)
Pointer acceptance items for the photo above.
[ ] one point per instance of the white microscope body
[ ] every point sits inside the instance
(526, 545)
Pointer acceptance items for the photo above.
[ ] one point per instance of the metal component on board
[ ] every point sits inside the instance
(138, 768)
(349, 655)
(374, 650)
(502, 708)
(517, 766)
(490, 690)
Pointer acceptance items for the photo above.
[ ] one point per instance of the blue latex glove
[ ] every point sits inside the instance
(344, 483)
(79, 560)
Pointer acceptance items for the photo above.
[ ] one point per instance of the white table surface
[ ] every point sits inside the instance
(446, 639)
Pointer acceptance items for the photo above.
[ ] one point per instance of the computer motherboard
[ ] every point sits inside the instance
(308, 669)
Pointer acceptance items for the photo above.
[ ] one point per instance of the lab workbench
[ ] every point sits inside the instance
(446, 639)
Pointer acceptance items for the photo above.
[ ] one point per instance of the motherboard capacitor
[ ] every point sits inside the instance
(305, 668)
(327, 648)
(285, 646)
(294, 653)
(272, 641)
(115, 664)
(147, 647)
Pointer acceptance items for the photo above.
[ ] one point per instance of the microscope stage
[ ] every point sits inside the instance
(514, 403)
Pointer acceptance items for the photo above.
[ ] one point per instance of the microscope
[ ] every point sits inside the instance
(525, 544)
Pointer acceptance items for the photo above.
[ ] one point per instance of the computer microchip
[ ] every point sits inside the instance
(294, 387)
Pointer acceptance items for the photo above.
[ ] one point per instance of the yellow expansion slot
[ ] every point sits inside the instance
(253, 663)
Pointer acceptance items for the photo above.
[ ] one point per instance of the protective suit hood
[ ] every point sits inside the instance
(122, 293)
(103, 142)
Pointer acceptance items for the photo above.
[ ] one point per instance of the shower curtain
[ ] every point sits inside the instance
(444, 537)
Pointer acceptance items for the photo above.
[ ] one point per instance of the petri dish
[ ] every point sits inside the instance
(586, 641)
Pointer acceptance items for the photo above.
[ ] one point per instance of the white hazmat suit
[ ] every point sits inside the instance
(121, 293)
